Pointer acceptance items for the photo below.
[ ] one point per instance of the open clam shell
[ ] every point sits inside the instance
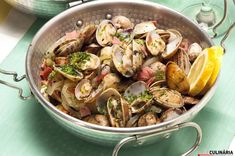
(122, 22)
(148, 119)
(181, 58)
(109, 81)
(69, 72)
(139, 46)
(194, 50)
(155, 43)
(65, 46)
(133, 121)
(68, 97)
(168, 97)
(98, 119)
(165, 35)
(105, 32)
(135, 89)
(190, 100)
(92, 48)
(106, 53)
(83, 89)
(137, 56)
(144, 27)
(140, 104)
(173, 43)
(111, 103)
(138, 97)
(122, 60)
(176, 78)
(170, 114)
(87, 32)
(84, 61)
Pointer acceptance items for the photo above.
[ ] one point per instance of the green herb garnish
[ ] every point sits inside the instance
(69, 70)
(139, 41)
(146, 95)
(77, 59)
(122, 36)
(52, 75)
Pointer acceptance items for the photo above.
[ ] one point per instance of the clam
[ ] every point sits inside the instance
(138, 97)
(88, 31)
(148, 119)
(141, 103)
(122, 22)
(157, 84)
(150, 61)
(170, 114)
(139, 46)
(98, 119)
(155, 109)
(132, 122)
(193, 51)
(109, 81)
(105, 32)
(190, 100)
(68, 96)
(181, 58)
(155, 43)
(144, 27)
(167, 97)
(110, 102)
(122, 60)
(63, 46)
(137, 54)
(106, 53)
(165, 35)
(159, 70)
(123, 37)
(176, 78)
(173, 43)
(92, 48)
(83, 89)
(118, 111)
(102, 100)
(84, 61)
(69, 72)
(135, 89)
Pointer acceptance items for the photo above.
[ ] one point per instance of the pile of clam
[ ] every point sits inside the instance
(119, 74)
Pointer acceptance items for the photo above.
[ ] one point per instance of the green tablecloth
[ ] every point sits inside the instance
(27, 130)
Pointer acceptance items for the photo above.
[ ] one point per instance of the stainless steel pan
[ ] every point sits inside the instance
(94, 12)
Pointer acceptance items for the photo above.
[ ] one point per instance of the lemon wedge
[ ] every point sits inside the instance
(218, 52)
(201, 71)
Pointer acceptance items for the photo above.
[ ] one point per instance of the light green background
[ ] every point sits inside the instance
(27, 130)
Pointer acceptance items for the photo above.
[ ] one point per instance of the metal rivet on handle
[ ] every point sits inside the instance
(108, 16)
(79, 23)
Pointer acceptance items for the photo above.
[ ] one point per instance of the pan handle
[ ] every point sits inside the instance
(171, 129)
(222, 20)
(16, 79)
(228, 32)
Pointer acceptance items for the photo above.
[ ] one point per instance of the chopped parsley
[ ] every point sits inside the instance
(69, 70)
(77, 59)
(139, 41)
(122, 36)
(52, 75)
(146, 95)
